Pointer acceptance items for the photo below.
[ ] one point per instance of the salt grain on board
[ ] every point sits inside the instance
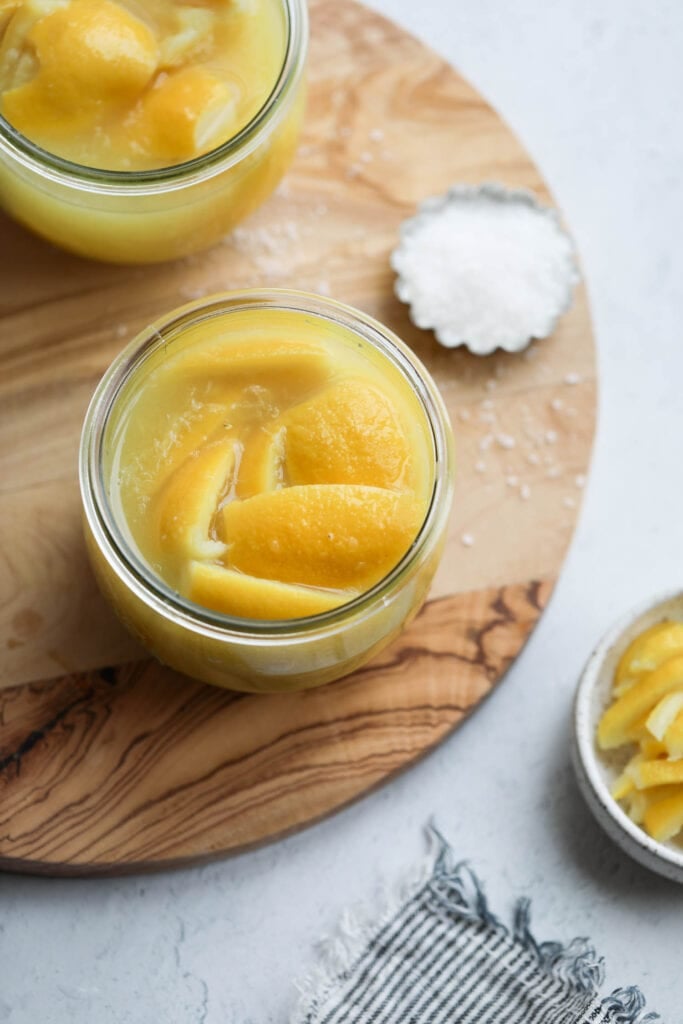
(467, 540)
(506, 441)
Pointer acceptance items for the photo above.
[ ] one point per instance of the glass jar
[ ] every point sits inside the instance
(238, 653)
(155, 215)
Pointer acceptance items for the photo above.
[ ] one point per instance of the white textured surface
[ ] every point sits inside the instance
(594, 92)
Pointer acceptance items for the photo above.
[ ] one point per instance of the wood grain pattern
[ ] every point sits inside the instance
(178, 771)
(109, 762)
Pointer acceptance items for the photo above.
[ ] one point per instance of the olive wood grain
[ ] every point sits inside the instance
(109, 762)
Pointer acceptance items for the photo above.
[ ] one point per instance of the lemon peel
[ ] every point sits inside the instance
(234, 593)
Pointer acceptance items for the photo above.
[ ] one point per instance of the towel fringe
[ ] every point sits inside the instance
(627, 1006)
(458, 892)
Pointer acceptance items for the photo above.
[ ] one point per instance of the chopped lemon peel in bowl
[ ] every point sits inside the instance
(646, 716)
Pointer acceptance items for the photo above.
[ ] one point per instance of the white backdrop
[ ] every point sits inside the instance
(594, 92)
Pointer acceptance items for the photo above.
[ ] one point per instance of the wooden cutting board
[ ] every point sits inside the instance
(109, 762)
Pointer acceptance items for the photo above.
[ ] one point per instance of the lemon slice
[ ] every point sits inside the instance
(329, 535)
(261, 466)
(234, 593)
(348, 434)
(617, 724)
(647, 652)
(663, 818)
(187, 504)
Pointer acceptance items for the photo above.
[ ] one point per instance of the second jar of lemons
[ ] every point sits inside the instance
(142, 132)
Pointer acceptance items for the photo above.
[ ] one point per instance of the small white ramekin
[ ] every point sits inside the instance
(596, 770)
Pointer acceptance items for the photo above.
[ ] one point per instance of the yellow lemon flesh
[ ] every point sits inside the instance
(287, 482)
(646, 717)
(129, 86)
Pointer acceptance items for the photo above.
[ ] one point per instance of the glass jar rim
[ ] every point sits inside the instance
(162, 179)
(132, 569)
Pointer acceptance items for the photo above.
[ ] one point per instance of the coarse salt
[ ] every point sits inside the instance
(506, 441)
(467, 540)
(485, 267)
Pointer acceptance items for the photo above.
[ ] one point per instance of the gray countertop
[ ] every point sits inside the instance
(594, 92)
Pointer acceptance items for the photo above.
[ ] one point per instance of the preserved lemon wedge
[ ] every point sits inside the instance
(291, 367)
(647, 652)
(347, 434)
(234, 593)
(187, 112)
(90, 54)
(187, 504)
(617, 724)
(261, 467)
(328, 535)
(174, 438)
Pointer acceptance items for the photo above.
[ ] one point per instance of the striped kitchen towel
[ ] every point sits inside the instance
(440, 957)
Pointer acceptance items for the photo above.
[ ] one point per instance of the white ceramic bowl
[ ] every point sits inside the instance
(595, 770)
